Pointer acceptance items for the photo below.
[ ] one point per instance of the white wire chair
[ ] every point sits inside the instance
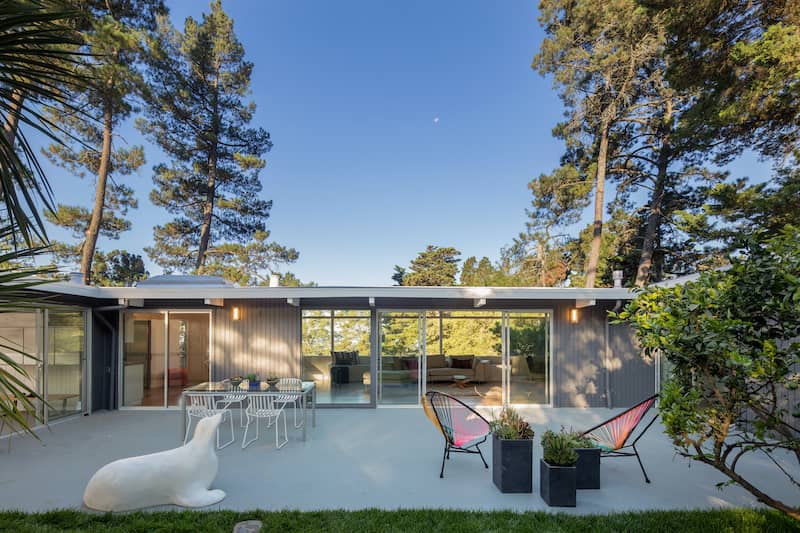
(204, 405)
(267, 406)
(293, 384)
(229, 398)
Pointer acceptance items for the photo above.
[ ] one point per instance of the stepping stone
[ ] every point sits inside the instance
(248, 526)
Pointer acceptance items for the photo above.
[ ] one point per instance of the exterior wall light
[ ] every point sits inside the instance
(573, 315)
(236, 314)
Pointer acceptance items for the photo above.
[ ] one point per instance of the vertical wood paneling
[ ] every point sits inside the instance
(265, 341)
(579, 360)
(632, 377)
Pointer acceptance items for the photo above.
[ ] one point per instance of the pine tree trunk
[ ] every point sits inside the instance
(600, 184)
(208, 210)
(654, 211)
(211, 183)
(12, 117)
(93, 231)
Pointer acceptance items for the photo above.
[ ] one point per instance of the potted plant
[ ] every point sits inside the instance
(557, 472)
(253, 382)
(273, 380)
(588, 465)
(512, 452)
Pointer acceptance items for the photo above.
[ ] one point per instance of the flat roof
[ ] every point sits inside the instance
(188, 292)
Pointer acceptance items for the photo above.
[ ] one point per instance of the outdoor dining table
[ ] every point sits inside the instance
(221, 388)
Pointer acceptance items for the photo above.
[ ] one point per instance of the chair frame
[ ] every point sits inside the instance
(205, 407)
(449, 446)
(619, 452)
(293, 383)
(276, 404)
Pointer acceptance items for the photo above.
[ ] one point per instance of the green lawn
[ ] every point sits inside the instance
(427, 521)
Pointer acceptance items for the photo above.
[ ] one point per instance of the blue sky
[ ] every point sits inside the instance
(396, 125)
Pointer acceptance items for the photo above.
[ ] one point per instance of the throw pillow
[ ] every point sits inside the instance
(461, 362)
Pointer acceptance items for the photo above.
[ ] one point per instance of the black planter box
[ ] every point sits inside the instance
(512, 464)
(588, 474)
(557, 484)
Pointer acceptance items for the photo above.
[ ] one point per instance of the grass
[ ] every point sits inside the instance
(428, 521)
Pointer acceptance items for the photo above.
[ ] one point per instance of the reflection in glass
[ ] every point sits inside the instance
(336, 354)
(188, 362)
(399, 366)
(20, 340)
(143, 359)
(66, 353)
(529, 357)
(464, 355)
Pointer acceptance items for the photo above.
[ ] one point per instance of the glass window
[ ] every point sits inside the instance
(65, 354)
(336, 354)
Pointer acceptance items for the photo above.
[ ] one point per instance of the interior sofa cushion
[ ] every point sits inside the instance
(461, 361)
(437, 361)
(449, 372)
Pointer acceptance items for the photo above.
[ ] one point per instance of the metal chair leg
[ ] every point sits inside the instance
(188, 427)
(285, 431)
(635, 451)
(481, 454)
(444, 456)
(233, 435)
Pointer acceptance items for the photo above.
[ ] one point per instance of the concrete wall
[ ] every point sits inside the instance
(266, 340)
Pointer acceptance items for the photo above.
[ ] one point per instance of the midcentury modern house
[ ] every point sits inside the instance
(138, 347)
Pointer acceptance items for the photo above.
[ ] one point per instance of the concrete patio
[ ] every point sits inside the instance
(353, 459)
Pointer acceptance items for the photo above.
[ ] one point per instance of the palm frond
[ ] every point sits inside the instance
(39, 53)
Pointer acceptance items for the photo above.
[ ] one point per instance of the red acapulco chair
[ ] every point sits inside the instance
(463, 428)
(612, 435)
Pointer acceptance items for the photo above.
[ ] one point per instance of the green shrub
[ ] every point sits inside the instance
(559, 448)
(511, 426)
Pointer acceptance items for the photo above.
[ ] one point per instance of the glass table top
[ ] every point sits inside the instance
(243, 387)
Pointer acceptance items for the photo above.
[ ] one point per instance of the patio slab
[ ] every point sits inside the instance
(355, 459)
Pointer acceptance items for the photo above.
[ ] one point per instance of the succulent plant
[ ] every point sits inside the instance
(559, 448)
(511, 426)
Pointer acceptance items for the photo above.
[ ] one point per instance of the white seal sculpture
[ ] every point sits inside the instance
(181, 476)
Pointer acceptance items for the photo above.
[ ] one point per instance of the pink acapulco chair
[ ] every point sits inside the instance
(463, 429)
(612, 435)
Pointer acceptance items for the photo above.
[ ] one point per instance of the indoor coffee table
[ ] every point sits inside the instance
(461, 381)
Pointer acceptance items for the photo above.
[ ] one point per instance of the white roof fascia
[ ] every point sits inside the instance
(467, 293)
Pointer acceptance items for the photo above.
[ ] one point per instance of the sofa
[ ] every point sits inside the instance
(441, 368)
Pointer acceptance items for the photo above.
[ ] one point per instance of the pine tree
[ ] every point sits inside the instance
(118, 268)
(197, 114)
(113, 31)
(251, 263)
(595, 52)
(436, 266)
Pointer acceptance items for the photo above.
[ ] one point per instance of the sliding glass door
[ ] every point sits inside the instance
(336, 346)
(163, 352)
(66, 353)
(527, 358)
(402, 345)
(50, 348)
(482, 357)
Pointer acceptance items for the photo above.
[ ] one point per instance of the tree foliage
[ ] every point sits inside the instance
(435, 266)
(742, 57)
(115, 32)
(118, 268)
(198, 115)
(732, 340)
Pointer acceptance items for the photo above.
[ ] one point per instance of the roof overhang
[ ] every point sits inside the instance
(297, 294)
